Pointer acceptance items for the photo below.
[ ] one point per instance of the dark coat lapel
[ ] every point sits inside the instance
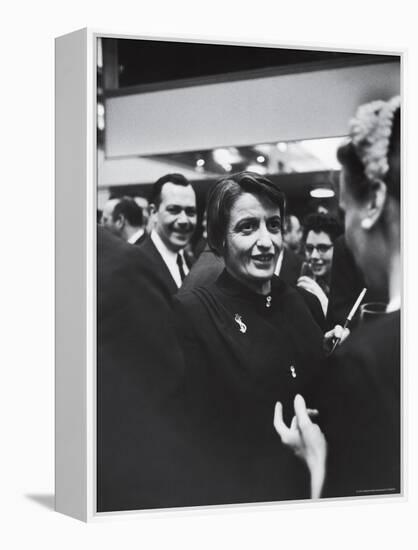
(150, 252)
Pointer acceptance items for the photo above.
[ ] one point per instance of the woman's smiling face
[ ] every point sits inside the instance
(253, 241)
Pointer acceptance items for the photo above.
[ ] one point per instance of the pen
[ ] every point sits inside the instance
(349, 317)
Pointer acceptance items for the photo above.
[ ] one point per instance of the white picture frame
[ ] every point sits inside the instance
(76, 176)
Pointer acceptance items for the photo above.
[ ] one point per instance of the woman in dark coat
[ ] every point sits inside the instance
(365, 386)
(361, 396)
(246, 339)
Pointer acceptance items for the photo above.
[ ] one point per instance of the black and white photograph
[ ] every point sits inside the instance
(249, 274)
(209, 275)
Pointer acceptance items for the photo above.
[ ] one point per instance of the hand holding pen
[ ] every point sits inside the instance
(341, 333)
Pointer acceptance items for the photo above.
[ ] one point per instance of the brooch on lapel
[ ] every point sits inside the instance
(241, 324)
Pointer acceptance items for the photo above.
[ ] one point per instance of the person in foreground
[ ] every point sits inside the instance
(246, 338)
(361, 407)
(137, 384)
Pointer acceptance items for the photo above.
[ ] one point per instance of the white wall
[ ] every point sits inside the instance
(286, 107)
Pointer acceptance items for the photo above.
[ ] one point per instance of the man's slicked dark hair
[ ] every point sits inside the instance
(177, 179)
(130, 210)
(223, 196)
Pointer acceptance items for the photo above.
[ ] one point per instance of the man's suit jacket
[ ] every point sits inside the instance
(291, 267)
(156, 264)
(153, 258)
(205, 270)
(141, 239)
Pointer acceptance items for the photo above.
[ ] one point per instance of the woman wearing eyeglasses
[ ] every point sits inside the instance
(320, 232)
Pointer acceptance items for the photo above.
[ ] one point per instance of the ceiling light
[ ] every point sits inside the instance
(263, 148)
(200, 162)
(261, 159)
(226, 157)
(324, 151)
(322, 193)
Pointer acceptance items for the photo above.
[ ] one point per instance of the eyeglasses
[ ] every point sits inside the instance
(320, 248)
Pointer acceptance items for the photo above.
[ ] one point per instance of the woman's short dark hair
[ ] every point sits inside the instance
(356, 178)
(223, 195)
(318, 223)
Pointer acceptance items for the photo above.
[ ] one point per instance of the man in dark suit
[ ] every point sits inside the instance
(173, 207)
(124, 218)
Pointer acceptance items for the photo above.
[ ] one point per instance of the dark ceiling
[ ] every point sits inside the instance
(149, 61)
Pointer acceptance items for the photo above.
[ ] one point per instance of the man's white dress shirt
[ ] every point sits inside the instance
(170, 258)
(137, 235)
